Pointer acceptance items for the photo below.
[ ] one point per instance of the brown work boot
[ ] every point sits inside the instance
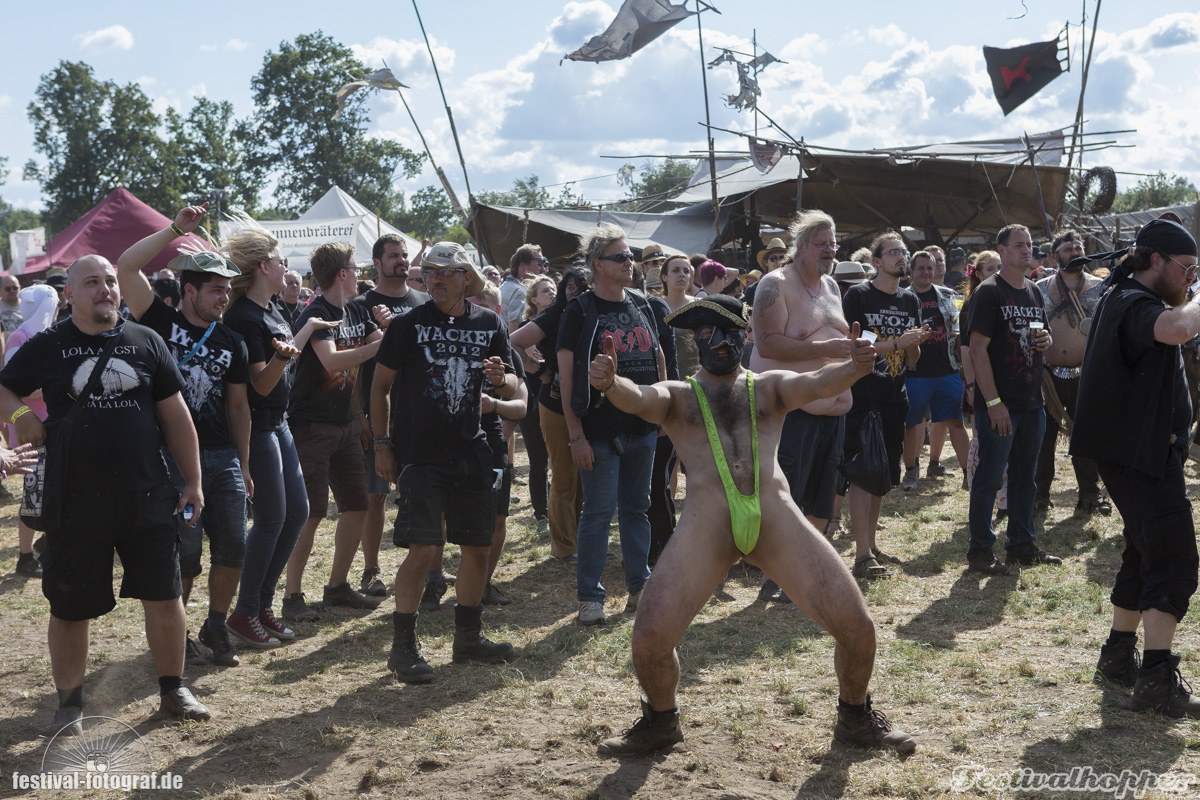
(656, 730)
(1161, 688)
(866, 727)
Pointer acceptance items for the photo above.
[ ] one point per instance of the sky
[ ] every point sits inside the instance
(857, 75)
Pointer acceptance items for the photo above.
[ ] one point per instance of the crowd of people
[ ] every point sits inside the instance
(218, 403)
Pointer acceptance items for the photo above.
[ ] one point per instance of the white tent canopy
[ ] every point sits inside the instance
(336, 217)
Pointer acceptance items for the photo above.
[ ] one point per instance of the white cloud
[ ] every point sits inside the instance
(874, 87)
(5, 101)
(231, 46)
(114, 37)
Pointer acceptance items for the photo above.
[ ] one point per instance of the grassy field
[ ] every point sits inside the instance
(994, 675)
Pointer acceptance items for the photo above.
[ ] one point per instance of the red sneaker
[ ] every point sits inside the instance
(250, 631)
(274, 627)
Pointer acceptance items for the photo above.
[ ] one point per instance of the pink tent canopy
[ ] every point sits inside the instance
(113, 224)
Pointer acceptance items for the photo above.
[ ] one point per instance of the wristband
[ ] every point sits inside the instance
(992, 403)
(20, 412)
(281, 356)
(610, 385)
(575, 439)
(382, 442)
(178, 231)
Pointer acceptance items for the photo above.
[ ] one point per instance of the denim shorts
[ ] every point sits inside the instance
(941, 397)
(223, 519)
(458, 490)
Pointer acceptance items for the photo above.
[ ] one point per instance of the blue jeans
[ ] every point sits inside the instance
(1018, 453)
(615, 481)
(223, 519)
(280, 511)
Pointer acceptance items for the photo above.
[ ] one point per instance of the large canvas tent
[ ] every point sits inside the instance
(108, 229)
(336, 217)
(501, 230)
(864, 193)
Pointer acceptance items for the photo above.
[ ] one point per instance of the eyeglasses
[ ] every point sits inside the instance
(824, 245)
(896, 251)
(416, 279)
(1189, 270)
(618, 258)
(776, 258)
(442, 273)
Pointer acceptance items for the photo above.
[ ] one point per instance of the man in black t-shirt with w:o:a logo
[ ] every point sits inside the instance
(212, 360)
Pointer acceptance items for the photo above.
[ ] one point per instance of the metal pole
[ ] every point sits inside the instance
(1077, 130)
(453, 130)
(712, 156)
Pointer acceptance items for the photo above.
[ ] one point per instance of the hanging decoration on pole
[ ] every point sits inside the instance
(379, 79)
(764, 154)
(638, 23)
(1018, 73)
(748, 92)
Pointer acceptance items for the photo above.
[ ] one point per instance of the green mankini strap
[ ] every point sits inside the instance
(745, 511)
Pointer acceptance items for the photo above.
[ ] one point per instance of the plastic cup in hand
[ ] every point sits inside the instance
(870, 336)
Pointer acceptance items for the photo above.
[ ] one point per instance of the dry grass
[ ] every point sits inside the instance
(989, 671)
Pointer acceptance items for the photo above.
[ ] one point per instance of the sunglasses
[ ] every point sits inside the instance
(618, 258)
(282, 262)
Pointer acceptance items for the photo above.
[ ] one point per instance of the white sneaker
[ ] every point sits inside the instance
(591, 612)
(631, 603)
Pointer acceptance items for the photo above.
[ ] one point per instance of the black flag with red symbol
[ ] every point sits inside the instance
(1018, 73)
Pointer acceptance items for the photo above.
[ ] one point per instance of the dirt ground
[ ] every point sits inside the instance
(994, 675)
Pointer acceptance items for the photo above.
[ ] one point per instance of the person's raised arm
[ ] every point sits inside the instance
(1178, 325)
(334, 360)
(651, 403)
(135, 286)
(797, 389)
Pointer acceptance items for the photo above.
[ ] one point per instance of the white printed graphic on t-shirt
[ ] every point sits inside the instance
(117, 378)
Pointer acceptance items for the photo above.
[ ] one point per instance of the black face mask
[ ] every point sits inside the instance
(712, 360)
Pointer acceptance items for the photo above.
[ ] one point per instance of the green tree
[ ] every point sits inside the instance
(658, 183)
(525, 193)
(426, 214)
(94, 136)
(1156, 191)
(210, 147)
(297, 137)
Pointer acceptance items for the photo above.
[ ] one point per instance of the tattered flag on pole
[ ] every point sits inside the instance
(638, 23)
(379, 79)
(1018, 73)
(765, 155)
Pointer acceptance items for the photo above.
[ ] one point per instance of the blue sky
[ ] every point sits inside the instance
(859, 74)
